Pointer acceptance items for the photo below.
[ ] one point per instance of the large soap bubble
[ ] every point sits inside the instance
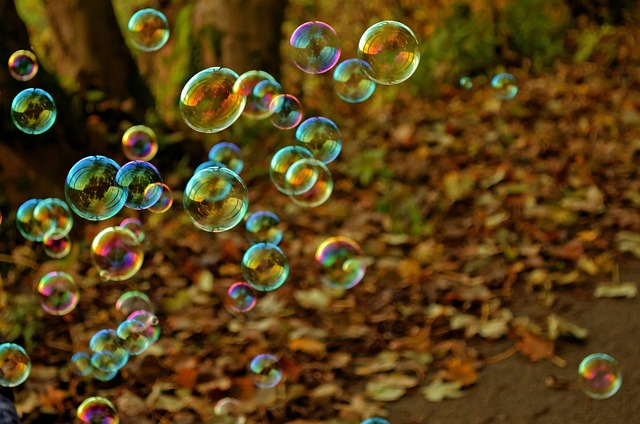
(265, 266)
(116, 253)
(600, 376)
(315, 47)
(143, 183)
(97, 410)
(253, 108)
(321, 136)
(281, 162)
(351, 83)
(15, 365)
(33, 111)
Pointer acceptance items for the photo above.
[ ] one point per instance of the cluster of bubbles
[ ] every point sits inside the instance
(48, 221)
(504, 85)
(600, 376)
(97, 409)
(15, 365)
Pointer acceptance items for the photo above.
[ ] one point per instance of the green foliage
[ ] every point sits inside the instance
(367, 165)
(589, 40)
(21, 320)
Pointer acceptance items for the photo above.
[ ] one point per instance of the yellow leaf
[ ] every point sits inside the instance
(439, 390)
(310, 346)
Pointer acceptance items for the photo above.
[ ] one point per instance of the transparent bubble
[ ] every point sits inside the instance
(116, 253)
(309, 173)
(56, 244)
(215, 199)
(504, 86)
(228, 154)
(81, 363)
(228, 411)
(466, 83)
(148, 30)
(33, 111)
(15, 365)
(91, 189)
(109, 352)
(150, 320)
(97, 410)
(266, 371)
(315, 47)
(265, 266)
(134, 335)
(165, 201)
(101, 375)
(136, 177)
(29, 227)
(135, 226)
(58, 292)
(139, 143)
(351, 83)
(23, 65)
(600, 376)
(253, 108)
(391, 50)
(132, 301)
(263, 227)
(286, 111)
(209, 164)
(375, 420)
(211, 100)
(321, 136)
(340, 262)
(265, 91)
(282, 161)
(53, 214)
(241, 297)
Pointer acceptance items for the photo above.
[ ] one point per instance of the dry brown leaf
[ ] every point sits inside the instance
(534, 347)
(461, 370)
(310, 346)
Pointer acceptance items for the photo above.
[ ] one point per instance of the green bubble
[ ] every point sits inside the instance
(33, 111)
(265, 267)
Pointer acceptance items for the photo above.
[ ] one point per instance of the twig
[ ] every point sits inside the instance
(501, 356)
(11, 260)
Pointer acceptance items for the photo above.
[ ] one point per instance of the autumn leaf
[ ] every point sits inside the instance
(439, 390)
(627, 289)
(385, 361)
(461, 370)
(307, 345)
(534, 347)
(557, 327)
(389, 387)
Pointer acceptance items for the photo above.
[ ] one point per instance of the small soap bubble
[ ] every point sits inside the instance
(212, 100)
(310, 173)
(53, 214)
(165, 201)
(229, 411)
(109, 352)
(254, 107)
(139, 143)
(281, 162)
(56, 244)
(148, 30)
(23, 65)
(265, 266)
(466, 83)
(215, 199)
(350, 83)
(315, 47)
(505, 86)
(59, 293)
(135, 226)
(340, 262)
(15, 365)
(29, 227)
(116, 253)
(266, 371)
(264, 92)
(263, 227)
(286, 111)
(97, 410)
(136, 177)
(81, 363)
(228, 154)
(150, 320)
(33, 111)
(321, 136)
(91, 189)
(600, 376)
(134, 335)
(131, 301)
(375, 420)
(241, 297)
(392, 51)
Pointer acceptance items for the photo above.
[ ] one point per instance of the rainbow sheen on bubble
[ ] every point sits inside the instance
(340, 262)
(265, 371)
(165, 201)
(81, 364)
(215, 199)
(134, 335)
(229, 411)
(350, 83)
(148, 30)
(321, 136)
(91, 189)
(281, 162)
(265, 267)
(136, 177)
(212, 100)
(315, 47)
(228, 154)
(56, 244)
(254, 108)
(392, 51)
(135, 226)
(264, 92)
(139, 143)
(109, 351)
(600, 376)
(133, 300)
(33, 111)
(15, 365)
(97, 410)
(150, 321)
(23, 65)
(504, 86)
(286, 111)
(241, 297)
(316, 179)
(58, 292)
(466, 83)
(375, 420)
(116, 253)
(263, 227)
(53, 214)
(28, 226)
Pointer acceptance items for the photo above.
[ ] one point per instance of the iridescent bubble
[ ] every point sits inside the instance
(165, 201)
(135, 226)
(23, 65)
(139, 143)
(209, 164)
(81, 362)
(241, 297)
(132, 301)
(91, 189)
(280, 163)
(116, 253)
(466, 83)
(150, 320)
(135, 336)
(265, 266)
(228, 154)
(315, 47)
(101, 375)
(286, 111)
(148, 30)
(229, 411)
(15, 365)
(136, 177)
(53, 214)
(211, 100)
(109, 352)
(215, 199)
(351, 83)
(600, 376)
(375, 420)
(253, 108)
(56, 244)
(505, 86)
(263, 227)
(264, 92)
(313, 173)
(29, 227)
(391, 50)
(340, 262)
(33, 111)
(266, 371)
(97, 410)
(321, 136)
(59, 293)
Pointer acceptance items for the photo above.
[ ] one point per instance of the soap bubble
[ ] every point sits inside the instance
(59, 293)
(351, 83)
(15, 365)
(134, 335)
(91, 189)
(33, 111)
(229, 412)
(215, 199)
(375, 420)
(208, 164)
(466, 83)
(53, 214)
(135, 226)
(600, 376)
(266, 371)
(265, 266)
(56, 244)
(131, 301)
(110, 354)
(340, 262)
(265, 92)
(254, 108)
(81, 362)
(116, 253)
(391, 50)
(313, 174)
(321, 136)
(286, 111)
(505, 86)
(150, 320)
(281, 162)
(23, 65)
(139, 143)
(228, 154)
(165, 201)
(148, 30)
(241, 297)
(97, 410)
(263, 227)
(136, 177)
(29, 227)
(101, 375)
(211, 100)
(315, 47)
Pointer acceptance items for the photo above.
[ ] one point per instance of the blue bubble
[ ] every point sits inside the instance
(265, 267)
(143, 183)
(350, 83)
(321, 136)
(263, 227)
(228, 154)
(504, 86)
(33, 111)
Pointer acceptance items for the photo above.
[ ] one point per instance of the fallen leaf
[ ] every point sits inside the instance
(534, 347)
(461, 370)
(439, 390)
(310, 346)
(558, 327)
(385, 361)
(628, 290)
